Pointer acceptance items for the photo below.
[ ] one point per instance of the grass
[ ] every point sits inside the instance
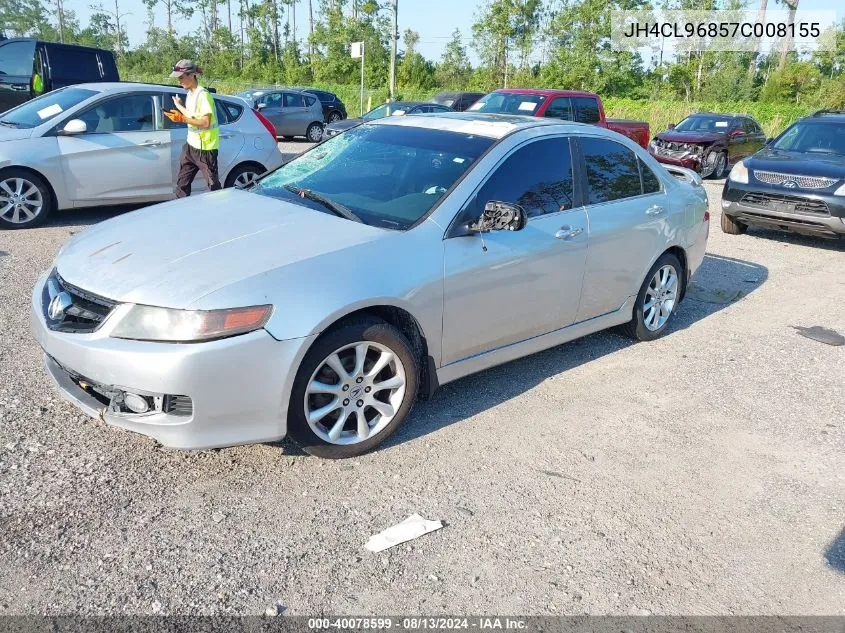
(774, 118)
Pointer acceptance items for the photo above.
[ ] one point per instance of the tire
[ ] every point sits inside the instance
(731, 226)
(345, 343)
(720, 164)
(314, 133)
(287, 138)
(243, 175)
(25, 199)
(334, 116)
(641, 327)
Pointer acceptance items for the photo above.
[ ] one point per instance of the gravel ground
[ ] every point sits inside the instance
(703, 473)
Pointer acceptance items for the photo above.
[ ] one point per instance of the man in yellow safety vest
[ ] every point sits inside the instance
(200, 150)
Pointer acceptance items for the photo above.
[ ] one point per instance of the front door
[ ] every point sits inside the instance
(507, 286)
(629, 215)
(123, 157)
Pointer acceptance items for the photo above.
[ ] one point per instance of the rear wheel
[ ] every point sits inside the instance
(354, 388)
(732, 226)
(657, 300)
(314, 133)
(25, 199)
(243, 176)
(335, 116)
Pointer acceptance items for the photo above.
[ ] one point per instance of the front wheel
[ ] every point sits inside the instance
(732, 226)
(657, 300)
(314, 133)
(25, 200)
(354, 388)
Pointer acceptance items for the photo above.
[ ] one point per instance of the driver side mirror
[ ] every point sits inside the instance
(260, 106)
(500, 216)
(75, 126)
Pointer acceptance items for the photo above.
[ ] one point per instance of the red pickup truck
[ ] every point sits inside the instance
(569, 105)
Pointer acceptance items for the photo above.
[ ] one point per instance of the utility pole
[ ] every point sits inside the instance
(61, 20)
(394, 37)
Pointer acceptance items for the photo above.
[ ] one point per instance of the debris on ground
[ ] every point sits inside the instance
(821, 334)
(413, 527)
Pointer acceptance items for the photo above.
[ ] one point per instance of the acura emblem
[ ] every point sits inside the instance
(58, 305)
(789, 184)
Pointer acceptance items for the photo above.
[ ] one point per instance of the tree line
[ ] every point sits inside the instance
(519, 43)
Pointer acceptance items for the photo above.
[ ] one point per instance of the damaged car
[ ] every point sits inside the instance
(708, 143)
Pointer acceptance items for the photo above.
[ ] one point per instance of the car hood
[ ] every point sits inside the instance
(690, 137)
(175, 253)
(798, 163)
(14, 133)
(345, 124)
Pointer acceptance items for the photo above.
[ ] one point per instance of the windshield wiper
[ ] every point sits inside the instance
(335, 207)
(10, 123)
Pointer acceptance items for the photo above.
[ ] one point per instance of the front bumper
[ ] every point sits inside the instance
(830, 224)
(239, 386)
(690, 161)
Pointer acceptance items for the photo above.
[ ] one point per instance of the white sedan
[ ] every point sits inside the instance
(109, 143)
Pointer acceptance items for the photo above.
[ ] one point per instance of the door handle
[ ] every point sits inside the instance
(152, 143)
(567, 232)
(19, 88)
(654, 210)
(229, 135)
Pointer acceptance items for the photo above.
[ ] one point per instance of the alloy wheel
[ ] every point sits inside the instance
(334, 117)
(354, 393)
(245, 179)
(315, 133)
(660, 298)
(20, 200)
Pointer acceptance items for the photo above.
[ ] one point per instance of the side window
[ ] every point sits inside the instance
(73, 64)
(749, 126)
(167, 103)
(538, 177)
(293, 101)
(325, 97)
(651, 183)
(437, 108)
(16, 59)
(560, 108)
(310, 101)
(132, 113)
(272, 100)
(586, 109)
(221, 112)
(612, 171)
(234, 111)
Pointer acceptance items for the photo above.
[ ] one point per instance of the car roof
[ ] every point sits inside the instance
(543, 92)
(117, 87)
(826, 116)
(493, 126)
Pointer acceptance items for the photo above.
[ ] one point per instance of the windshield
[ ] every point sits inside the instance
(814, 138)
(44, 108)
(507, 103)
(384, 111)
(388, 176)
(704, 123)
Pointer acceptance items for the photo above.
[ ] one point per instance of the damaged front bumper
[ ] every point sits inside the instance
(688, 158)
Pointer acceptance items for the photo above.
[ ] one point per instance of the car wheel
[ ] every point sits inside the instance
(657, 300)
(732, 226)
(354, 388)
(716, 165)
(314, 133)
(25, 199)
(287, 138)
(335, 116)
(243, 176)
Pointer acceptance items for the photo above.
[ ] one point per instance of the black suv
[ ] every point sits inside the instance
(795, 183)
(333, 108)
(30, 67)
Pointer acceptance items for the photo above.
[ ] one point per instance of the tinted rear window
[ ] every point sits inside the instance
(16, 59)
(73, 64)
(612, 171)
(586, 109)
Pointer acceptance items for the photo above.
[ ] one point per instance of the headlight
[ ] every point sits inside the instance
(840, 191)
(739, 173)
(653, 145)
(147, 323)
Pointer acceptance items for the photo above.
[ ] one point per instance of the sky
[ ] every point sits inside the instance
(434, 20)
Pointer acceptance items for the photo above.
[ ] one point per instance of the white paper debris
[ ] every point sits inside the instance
(721, 124)
(412, 527)
(527, 105)
(49, 111)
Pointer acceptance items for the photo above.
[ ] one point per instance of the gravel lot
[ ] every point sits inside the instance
(703, 473)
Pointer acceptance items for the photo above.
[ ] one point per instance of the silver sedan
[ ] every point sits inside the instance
(109, 143)
(399, 256)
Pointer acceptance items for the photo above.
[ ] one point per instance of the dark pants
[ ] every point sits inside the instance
(192, 161)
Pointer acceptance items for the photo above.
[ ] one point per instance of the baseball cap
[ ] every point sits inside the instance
(185, 67)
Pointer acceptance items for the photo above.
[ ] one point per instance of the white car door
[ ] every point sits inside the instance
(515, 285)
(231, 139)
(124, 156)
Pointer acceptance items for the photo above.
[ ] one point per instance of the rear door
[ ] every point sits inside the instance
(271, 106)
(754, 134)
(737, 141)
(297, 114)
(123, 157)
(629, 214)
(17, 60)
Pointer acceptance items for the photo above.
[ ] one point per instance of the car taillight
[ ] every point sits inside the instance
(706, 216)
(266, 123)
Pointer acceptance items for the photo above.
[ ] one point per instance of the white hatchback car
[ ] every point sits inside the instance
(109, 143)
